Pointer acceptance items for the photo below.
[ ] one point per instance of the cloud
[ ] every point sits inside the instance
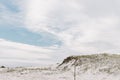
(11, 13)
(18, 52)
(83, 26)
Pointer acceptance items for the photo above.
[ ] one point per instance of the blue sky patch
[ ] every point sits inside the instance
(22, 35)
(10, 6)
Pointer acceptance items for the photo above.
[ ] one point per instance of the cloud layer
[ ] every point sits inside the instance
(13, 52)
(82, 26)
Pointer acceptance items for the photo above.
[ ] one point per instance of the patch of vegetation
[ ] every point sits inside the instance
(90, 58)
(2, 67)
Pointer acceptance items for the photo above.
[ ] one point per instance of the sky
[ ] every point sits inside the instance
(38, 32)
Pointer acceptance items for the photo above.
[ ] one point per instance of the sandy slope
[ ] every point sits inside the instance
(90, 67)
(52, 74)
(33, 74)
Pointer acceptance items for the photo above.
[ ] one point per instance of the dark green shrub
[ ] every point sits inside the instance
(2, 67)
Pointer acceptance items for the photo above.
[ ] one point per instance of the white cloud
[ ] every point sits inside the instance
(83, 26)
(12, 14)
(12, 51)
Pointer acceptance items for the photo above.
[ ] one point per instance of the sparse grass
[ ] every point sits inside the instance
(93, 61)
(93, 56)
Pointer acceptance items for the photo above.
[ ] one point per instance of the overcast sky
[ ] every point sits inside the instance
(35, 32)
